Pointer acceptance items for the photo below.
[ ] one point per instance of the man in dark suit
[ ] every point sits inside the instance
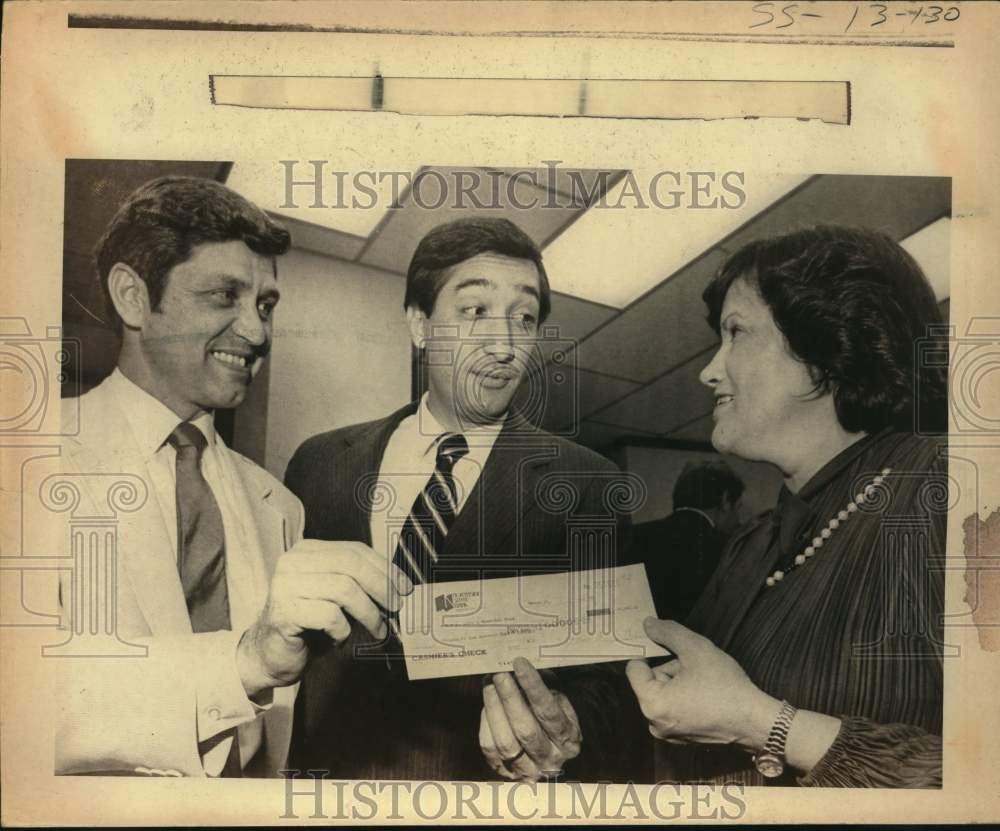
(458, 486)
(682, 550)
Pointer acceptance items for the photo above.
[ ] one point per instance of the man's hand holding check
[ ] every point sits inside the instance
(313, 585)
(526, 730)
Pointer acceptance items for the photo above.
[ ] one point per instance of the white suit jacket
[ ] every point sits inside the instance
(141, 714)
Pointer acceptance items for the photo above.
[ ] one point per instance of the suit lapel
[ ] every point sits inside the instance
(355, 472)
(272, 528)
(504, 494)
(106, 447)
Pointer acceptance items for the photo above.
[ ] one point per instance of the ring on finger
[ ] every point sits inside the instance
(514, 758)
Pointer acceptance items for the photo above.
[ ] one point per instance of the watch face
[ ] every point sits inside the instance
(769, 765)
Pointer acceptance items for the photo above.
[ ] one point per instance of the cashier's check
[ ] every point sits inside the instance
(472, 627)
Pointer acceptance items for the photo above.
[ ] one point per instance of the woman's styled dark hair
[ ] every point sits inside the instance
(163, 220)
(455, 242)
(853, 305)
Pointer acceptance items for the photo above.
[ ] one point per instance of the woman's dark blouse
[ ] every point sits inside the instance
(855, 632)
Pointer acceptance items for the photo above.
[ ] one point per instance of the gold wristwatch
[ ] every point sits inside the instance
(770, 762)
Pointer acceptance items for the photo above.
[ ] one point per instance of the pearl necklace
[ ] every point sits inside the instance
(817, 542)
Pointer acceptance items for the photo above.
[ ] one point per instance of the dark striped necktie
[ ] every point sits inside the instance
(421, 539)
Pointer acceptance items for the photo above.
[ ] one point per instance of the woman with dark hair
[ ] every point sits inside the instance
(816, 651)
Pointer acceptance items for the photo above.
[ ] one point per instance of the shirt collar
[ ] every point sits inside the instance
(432, 432)
(794, 511)
(151, 420)
(838, 463)
(790, 516)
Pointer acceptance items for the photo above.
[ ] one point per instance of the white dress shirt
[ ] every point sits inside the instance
(222, 700)
(408, 462)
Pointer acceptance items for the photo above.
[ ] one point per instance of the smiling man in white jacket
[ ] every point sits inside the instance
(213, 582)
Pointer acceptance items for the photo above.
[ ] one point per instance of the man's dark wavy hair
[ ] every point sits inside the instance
(455, 242)
(852, 304)
(163, 220)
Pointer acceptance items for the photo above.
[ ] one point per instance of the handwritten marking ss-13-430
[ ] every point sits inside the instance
(783, 16)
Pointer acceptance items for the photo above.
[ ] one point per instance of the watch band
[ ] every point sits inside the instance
(770, 762)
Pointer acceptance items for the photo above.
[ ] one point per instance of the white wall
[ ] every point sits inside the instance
(341, 355)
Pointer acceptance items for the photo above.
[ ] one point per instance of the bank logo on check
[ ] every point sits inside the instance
(454, 600)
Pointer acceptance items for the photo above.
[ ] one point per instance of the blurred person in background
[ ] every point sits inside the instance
(682, 550)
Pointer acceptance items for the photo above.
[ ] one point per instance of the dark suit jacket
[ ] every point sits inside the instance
(359, 717)
(680, 552)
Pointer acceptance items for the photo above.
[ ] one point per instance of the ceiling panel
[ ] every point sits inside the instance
(393, 243)
(666, 328)
(626, 244)
(661, 330)
(598, 391)
(898, 205)
(673, 400)
(568, 396)
(321, 240)
(327, 193)
(573, 319)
